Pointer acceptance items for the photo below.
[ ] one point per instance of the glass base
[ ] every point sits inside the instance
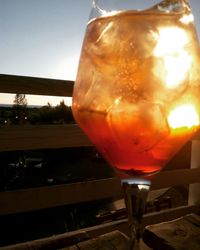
(135, 195)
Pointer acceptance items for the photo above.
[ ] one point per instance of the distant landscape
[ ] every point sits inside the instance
(20, 113)
(31, 168)
(28, 106)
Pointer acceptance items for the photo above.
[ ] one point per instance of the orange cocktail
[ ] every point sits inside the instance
(137, 91)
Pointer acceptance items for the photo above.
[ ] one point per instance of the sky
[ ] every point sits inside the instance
(43, 38)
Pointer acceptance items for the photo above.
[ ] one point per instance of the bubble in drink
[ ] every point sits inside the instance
(135, 69)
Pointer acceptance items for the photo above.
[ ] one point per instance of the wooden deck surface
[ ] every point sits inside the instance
(111, 240)
(181, 233)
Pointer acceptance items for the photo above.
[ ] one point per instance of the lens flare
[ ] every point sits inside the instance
(183, 116)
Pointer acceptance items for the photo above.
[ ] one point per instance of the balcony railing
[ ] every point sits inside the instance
(62, 136)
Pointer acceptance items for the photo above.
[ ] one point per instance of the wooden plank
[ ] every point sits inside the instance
(35, 86)
(169, 214)
(194, 189)
(41, 136)
(176, 178)
(52, 196)
(45, 197)
(52, 242)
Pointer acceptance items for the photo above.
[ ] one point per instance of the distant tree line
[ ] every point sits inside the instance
(20, 113)
(48, 114)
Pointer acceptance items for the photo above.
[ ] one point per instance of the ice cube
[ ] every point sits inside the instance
(137, 127)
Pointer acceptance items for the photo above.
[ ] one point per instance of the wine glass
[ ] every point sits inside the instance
(137, 90)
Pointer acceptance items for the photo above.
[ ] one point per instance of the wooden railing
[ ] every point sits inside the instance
(61, 136)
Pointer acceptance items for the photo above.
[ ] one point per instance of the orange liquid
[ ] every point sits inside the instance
(132, 154)
(121, 99)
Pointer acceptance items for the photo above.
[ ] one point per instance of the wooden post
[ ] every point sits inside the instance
(194, 189)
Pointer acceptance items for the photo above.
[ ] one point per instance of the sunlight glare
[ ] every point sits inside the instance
(186, 19)
(171, 50)
(183, 116)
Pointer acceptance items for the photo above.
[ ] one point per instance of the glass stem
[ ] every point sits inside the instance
(135, 195)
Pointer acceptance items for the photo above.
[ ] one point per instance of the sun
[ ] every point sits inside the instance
(183, 116)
